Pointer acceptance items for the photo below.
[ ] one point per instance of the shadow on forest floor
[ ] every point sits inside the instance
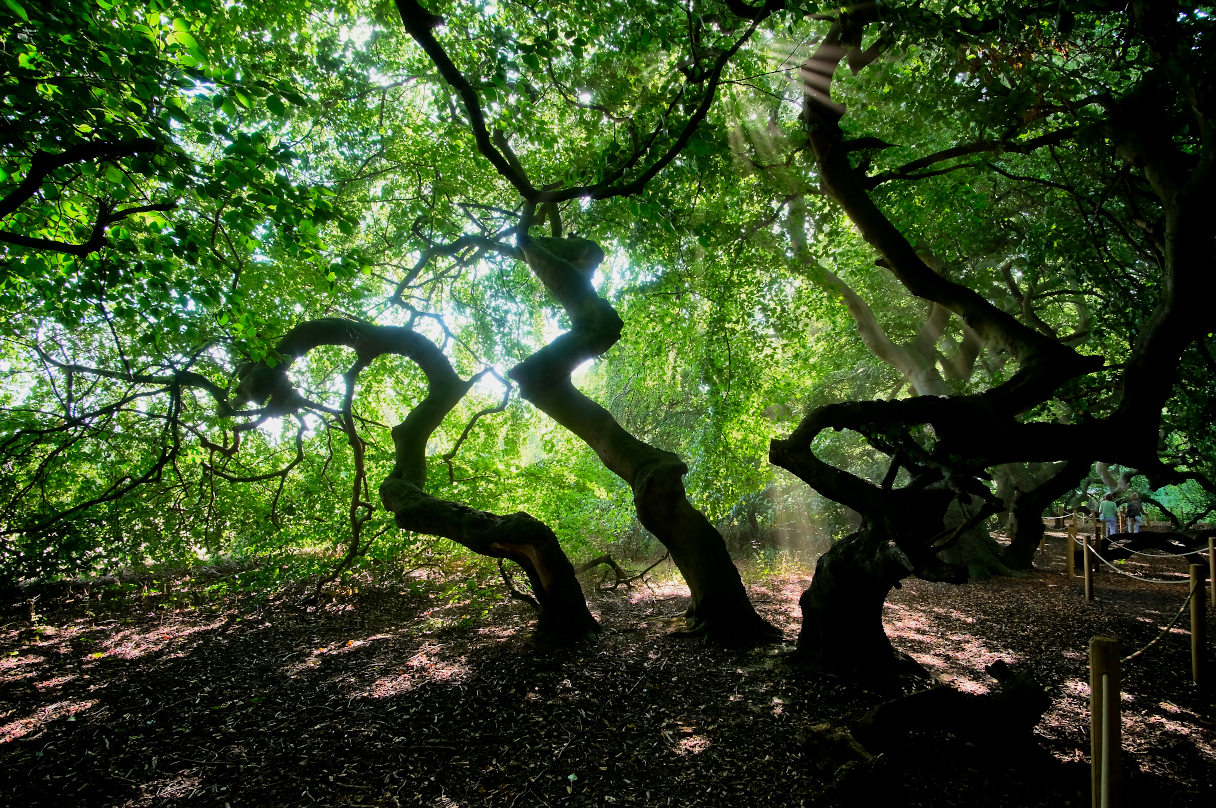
(385, 697)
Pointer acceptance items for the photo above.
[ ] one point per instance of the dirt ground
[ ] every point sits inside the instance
(391, 695)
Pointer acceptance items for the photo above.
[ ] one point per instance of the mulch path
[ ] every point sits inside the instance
(393, 696)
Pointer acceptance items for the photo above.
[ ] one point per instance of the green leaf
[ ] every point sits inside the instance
(183, 38)
(16, 8)
(294, 97)
(275, 105)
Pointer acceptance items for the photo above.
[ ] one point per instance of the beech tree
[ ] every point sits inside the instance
(515, 277)
(1023, 80)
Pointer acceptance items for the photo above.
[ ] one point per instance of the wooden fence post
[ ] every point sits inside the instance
(1105, 727)
(1071, 544)
(1198, 625)
(1089, 571)
(1212, 567)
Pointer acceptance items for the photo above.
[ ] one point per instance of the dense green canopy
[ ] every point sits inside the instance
(185, 183)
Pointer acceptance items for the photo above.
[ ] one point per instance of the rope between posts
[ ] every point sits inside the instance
(1165, 630)
(1128, 574)
(1166, 555)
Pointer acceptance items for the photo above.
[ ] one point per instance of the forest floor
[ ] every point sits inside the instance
(395, 695)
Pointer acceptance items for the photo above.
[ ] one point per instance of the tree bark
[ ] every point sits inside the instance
(562, 608)
(1026, 512)
(903, 531)
(853, 577)
(975, 549)
(720, 606)
(842, 608)
(917, 361)
(519, 537)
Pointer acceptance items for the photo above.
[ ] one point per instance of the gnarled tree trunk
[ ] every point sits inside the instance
(842, 608)
(519, 537)
(917, 362)
(855, 576)
(720, 606)
(902, 533)
(1025, 525)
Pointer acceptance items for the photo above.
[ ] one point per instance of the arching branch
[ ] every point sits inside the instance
(1045, 363)
(506, 396)
(106, 216)
(43, 164)
(518, 537)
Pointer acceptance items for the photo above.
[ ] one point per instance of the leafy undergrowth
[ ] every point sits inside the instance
(401, 695)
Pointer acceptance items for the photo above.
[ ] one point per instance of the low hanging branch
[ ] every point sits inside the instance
(360, 509)
(622, 576)
(43, 164)
(170, 448)
(506, 397)
(515, 593)
(106, 216)
(517, 537)
(256, 478)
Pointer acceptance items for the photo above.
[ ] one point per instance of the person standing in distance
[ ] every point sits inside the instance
(1109, 512)
(1135, 513)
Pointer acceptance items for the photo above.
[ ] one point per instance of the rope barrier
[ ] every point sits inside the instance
(1162, 555)
(1128, 574)
(1165, 630)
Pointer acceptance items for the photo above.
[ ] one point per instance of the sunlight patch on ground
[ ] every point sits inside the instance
(910, 625)
(1077, 689)
(57, 681)
(176, 787)
(315, 657)
(966, 685)
(953, 614)
(931, 637)
(427, 665)
(12, 669)
(685, 740)
(499, 632)
(1142, 728)
(131, 644)
(52, 712)
(1068, 718)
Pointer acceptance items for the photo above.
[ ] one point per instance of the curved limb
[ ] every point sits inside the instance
(1026, 511)
(656, 476)
(518, 537)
